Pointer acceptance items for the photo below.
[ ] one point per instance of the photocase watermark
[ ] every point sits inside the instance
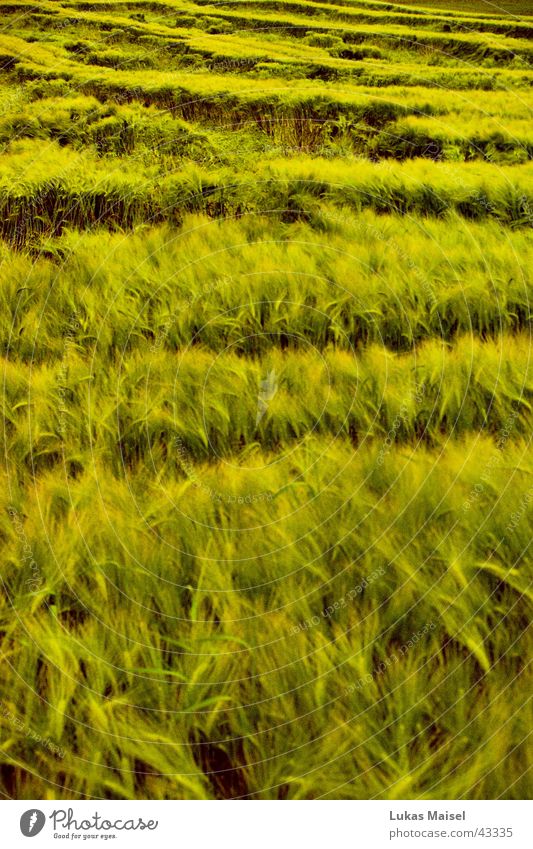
(373, 232)
(493, 462)
(390, 660)
(73, 328)
(32, 822)
(328, 611)
(11, 99)
(401, 417)
(517, 515)
(65, 819)
(268, 390)
(187, 302)
(218, 497)
(281, 149)
(28, 732)
(425, 285)
(36, 580)
(527, 209)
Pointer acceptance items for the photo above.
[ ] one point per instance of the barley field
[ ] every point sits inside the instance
(267, 391)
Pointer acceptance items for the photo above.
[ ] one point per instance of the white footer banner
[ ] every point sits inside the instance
(268, 824)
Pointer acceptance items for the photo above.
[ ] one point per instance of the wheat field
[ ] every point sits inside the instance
(267, 397)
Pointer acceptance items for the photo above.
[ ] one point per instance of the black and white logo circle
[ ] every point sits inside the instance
(32, 822)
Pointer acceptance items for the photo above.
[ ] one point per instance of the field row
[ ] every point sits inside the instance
(361, 280)
(296, 525)
(265, 344)
(110, 129)
(210, 406)
(319, 57)
(230, 647)
(298, 18)
(44, 189)
(216, 97)
(379, 13)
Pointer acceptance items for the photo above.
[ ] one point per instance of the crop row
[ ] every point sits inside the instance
(43, 190)
(211, 406)
(364, 280)
(346, 10)
(267, 414)
(120, 130)
(141, 10)
(231, 99)
(202, 652)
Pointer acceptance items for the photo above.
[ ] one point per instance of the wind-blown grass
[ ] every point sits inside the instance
(265, 338)
(43, 190)
(365, 279)
(129, 665)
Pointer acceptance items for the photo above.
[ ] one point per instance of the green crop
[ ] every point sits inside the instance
(265, 344)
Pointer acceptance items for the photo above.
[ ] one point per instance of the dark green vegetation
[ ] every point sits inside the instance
(490, 7)
(267, 395)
